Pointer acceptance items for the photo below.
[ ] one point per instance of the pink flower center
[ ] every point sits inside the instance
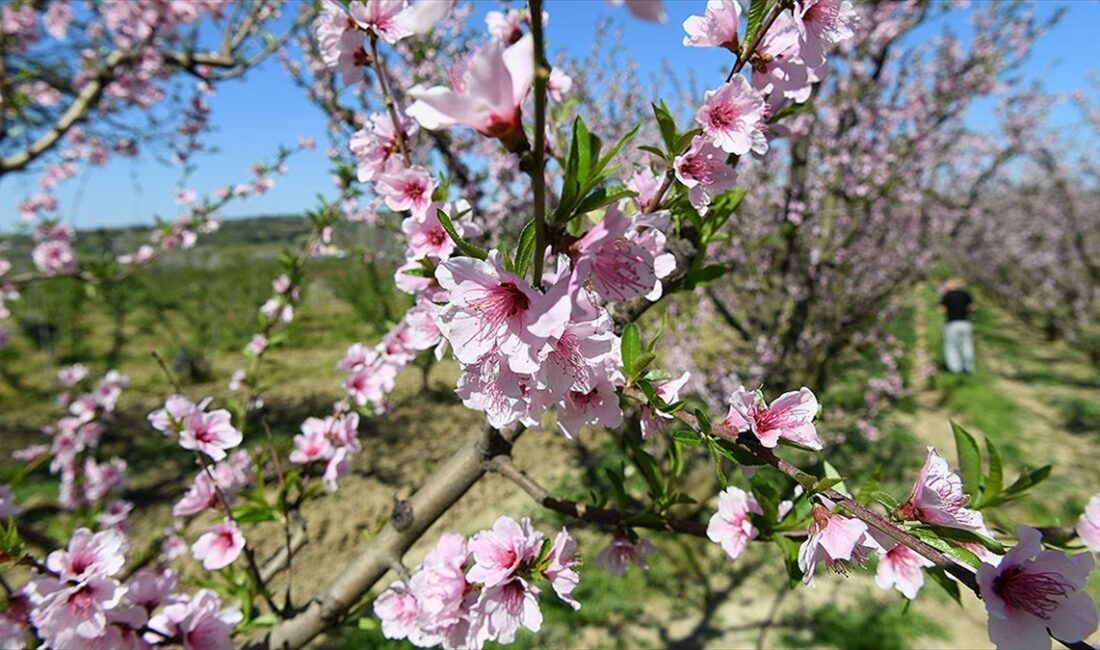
(437, 237)
(203, 433)
(501, 304)
(617, 265)
(414, 190)
(1038, 594)
(723, 116)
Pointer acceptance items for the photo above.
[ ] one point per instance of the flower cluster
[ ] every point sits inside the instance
(331, 441)
(469, 592)
(211, 433)
(75, 435)
(77, 600)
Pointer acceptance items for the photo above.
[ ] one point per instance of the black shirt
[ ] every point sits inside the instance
(957, 303)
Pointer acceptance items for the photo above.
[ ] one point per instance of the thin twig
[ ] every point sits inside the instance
(171, 376)
(391, 107)
(537, 169)
(504, 466)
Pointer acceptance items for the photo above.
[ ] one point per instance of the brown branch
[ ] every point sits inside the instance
(504, 466)
(410, 520)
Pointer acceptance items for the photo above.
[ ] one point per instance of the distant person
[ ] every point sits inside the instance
(958, 332)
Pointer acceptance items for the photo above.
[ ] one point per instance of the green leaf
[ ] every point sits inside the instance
(940, 577)
(631, 351)
(737, 455)
(653, 150)
(666, 124)
(791, 109)
(466, 247)
(969, 536)
(970, 459)
(887, 500)
(704, 275)
(788, 549)
(994, 481)
(684, 141)
(525, 249)
(757, 10)
(686, 437)
(601, 164)
(249, 513)
(831, 473)
(602, 197)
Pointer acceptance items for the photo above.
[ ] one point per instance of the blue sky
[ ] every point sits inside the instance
(254, 115)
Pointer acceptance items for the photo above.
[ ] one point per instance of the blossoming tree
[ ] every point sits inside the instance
(546, 313)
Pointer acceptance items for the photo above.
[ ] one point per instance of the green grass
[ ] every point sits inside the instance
(869, 624)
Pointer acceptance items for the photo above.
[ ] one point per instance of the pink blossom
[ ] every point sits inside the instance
(494, 311)
(339, 43)
(440, 588)
(100, 479)
(425, 236)
(211, 433)
(506, 26)
(1088, 526)
(732, 117)
(115, 514)
(375, 144)
(617, 556)
(500, 553)
(717, 27)
(580, 358)
(731, 526)
(653, 420)
(561, 568)
(406, 189)
(236, 380)
(170, 419)
(777, 67)
(281, 284)
(900, 568)
(7, 503)
(336, 467)
(502, 610)
(645, 184)
(397, 609)
(703, 170)
(54, 257)
(824, 23)
(789, 417)
(257, 345)
(72, 375)
(1033, 590)
(486, 96)
(57, 18)
(150, 588)
(490, 386)
(558, 85)
(938, 498)
(197, 622)
(380, 17)
(220, 546)
(619, 269)
(89, 554)
(312, 444)
(651, 10)
(70, 615)
(598, 406)
(835, 539)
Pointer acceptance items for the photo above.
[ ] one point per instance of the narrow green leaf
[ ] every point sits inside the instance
(994, 481)
(830, 472)
(970, 460)
(686, 437)
(887, 500)
(654, 151)
(631, 350)
(684, 141)
(466, 247)
(601, 197)
(940, 577)
(708, 273)
(525, 249)
(666, 124)
(601, 165)
(757, 10)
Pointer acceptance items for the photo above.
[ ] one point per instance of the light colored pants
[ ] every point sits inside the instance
(958, 346)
